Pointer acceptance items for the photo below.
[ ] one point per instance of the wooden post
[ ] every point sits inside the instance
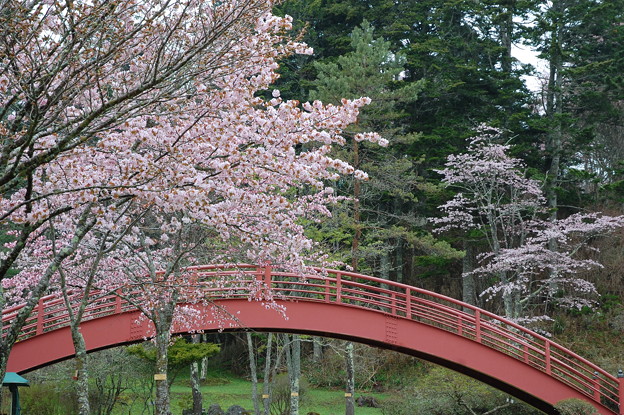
(596, 385)
(338, 288)
(118, 302)
(478, 325)
(327, 290)
(620, 378)
(408, 303)
(40, 314)
(268, 270)
(547, 357)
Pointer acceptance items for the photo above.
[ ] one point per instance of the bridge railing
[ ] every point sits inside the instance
(356, 290)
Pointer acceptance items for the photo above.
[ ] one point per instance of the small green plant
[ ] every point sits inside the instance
(280, 401)
(185, 401)
(575, 406)
(47, 400)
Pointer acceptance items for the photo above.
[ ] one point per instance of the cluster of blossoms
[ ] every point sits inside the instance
(147, 149)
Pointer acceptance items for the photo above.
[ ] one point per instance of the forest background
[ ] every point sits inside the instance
(436, 72)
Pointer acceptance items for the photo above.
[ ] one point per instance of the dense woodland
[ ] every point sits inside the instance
(436, 71)
(411, 144)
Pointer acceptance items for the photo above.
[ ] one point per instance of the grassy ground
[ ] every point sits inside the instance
(226, 390)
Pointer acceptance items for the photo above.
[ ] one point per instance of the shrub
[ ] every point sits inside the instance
(575, 406)
(280, 396)
(46, 400)
(415, 405)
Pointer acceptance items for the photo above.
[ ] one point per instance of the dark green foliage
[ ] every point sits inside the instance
(42, 399)
(383, 226)
(180, 354)
(450, 55)
(582, 40)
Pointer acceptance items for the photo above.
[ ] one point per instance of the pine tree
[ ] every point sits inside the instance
(381, 223)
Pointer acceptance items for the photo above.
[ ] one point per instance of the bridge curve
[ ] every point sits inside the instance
(344, 305)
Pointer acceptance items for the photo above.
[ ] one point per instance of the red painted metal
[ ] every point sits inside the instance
(346, 305)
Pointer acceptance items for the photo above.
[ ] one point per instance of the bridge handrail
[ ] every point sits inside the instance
(358, 290)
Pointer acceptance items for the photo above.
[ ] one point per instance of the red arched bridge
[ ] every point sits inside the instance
(350, 306)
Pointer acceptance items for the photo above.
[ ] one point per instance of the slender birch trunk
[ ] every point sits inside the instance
(195, 382)
(82, 374)
(469, 290)
(203, 372)
(163, 400)
(350, 386)
(317, 349)
(266, 384)
(253, 369)
(293, 361)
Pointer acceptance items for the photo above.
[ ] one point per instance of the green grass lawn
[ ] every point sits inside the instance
(226, 390)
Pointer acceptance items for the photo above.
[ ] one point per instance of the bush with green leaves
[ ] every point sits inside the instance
(180, 354)
(280, 396)
(442, 391)
(575, 406)
(47, 399)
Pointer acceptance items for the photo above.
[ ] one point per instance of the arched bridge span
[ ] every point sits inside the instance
(349, 306)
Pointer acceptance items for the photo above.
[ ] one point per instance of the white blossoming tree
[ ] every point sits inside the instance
(498, 201)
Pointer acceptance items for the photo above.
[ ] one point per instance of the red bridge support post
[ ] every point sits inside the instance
(620, 376)
(338, 288)
(596, 379)
(40, 315)
(268, 270)
(263, 279)
(408, 303)
(547, 358)
(119, 293)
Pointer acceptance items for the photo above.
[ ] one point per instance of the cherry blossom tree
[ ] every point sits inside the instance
(90, 266)
(496, 199)
(109, 109)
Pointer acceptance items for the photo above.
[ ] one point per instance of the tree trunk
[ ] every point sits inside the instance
(554, 112)
(293, 361)
(350, 387)
(82, 374)
(356, 210)
(12, 331)
(254, 374)
(4, 357)
(10, 337)
(399, 261)
(317, 349)
(195, 382)
(163, 401)
(266, 384)
(506, 27)
(385, 269)
(203, 372)
(469, 290)
(508, 299)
